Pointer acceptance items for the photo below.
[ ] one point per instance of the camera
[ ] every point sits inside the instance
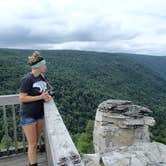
(51, 93)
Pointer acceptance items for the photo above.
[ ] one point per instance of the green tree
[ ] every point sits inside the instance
(85, 141)
(6, 142)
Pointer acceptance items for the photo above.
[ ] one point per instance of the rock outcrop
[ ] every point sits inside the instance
(121, 135)
(120, 123)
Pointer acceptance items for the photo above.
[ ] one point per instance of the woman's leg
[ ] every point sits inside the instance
(31, 135)
(40, 123)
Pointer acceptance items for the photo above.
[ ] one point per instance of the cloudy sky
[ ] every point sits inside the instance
(134, 26)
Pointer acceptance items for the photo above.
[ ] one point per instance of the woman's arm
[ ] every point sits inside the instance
(24, 97)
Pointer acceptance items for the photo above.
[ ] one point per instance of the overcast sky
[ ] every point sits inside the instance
(134, 26)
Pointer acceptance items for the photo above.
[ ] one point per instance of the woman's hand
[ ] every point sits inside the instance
(45, 96)
(48, 98)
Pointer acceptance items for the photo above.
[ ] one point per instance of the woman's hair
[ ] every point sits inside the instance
(34, 58)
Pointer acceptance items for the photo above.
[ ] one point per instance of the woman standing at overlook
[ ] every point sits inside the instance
(33, 94)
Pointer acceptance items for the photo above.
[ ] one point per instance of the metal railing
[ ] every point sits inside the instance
(60, 147)
(12, 138)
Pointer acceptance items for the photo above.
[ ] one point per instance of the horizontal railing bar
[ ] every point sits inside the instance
(9, 99)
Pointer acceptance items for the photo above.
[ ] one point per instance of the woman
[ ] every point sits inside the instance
(32, 96)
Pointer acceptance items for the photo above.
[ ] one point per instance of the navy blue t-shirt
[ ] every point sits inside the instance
(34, 86)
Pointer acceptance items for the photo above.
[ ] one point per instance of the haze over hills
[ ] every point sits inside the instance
(83, 79)
(156, 63)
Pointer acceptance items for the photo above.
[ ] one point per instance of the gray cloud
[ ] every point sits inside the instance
(95, 31)
(107, 26)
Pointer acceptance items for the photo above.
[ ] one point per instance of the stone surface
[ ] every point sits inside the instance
(22, 160)
(139, 154)
(60, 147)
(91, 159)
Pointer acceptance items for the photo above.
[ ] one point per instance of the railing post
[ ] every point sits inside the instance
(15, 128)
(6, 127)
(23, 137)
